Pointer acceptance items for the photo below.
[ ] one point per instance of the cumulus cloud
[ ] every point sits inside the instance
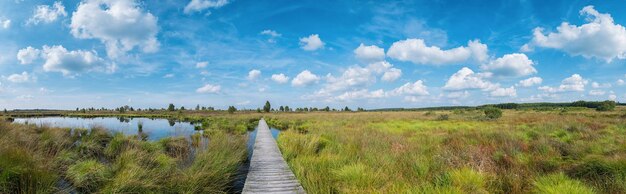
(416, 51)
(504, 92)
(574, 83)
(304, 78)
(200, 5)
(391, 75)
(27, 55)
(597, 92)
(415, 89)
(59, 59)
(360, 94)
(254, 74)
(47, 14)
(120, 24)
(530, 82)
(613, 97)
(599, 38)
(202, 64)
(20, 78)
(371, 53)
(510, 65)
(353, 77)
(6, 23)
(209, 88)
(311, 43)
(280, 78)
(599, 85)
(620, 82)
(272, 35)
(465, 78)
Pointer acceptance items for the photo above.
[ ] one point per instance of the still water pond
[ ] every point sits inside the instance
(155, 128)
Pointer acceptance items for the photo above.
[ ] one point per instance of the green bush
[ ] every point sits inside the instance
(606, 106)
(492, 112)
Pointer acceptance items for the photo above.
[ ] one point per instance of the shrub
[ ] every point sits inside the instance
(606, 106)
(492, 112)
(442, 117)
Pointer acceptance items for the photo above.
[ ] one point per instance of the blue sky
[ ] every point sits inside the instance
(109, 53)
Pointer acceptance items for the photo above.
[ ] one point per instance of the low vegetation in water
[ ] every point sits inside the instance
(40, 159)
(553, 150)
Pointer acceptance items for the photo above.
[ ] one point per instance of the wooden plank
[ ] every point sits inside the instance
(268, 172)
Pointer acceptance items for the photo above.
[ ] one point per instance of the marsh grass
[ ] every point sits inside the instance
(524, 151)
(37, 159)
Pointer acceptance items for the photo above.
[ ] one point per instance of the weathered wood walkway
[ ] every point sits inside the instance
(269, 173)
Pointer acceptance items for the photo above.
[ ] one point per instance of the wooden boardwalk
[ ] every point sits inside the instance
(269, 173)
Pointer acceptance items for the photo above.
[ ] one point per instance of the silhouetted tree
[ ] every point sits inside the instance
(198, 107)
(267, 106)
(171, 107)
(232, 109)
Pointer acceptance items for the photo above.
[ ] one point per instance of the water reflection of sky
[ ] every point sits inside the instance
(155, 128)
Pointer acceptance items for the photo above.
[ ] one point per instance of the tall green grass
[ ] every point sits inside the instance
(582, 151)
(39, 159)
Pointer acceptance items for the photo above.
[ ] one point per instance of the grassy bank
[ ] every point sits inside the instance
(556, 151)
(39, 159)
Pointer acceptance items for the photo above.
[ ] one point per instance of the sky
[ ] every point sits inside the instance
(370, 54)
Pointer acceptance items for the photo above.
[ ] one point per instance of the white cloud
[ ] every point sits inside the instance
(465, 78)
(59, 59)
(20, 78)
(620, 82)
(353, 77)
(208, 88)
(371, 53)
(391, 75)
(311, 43)
(416, 51)
(304, 78)
(202, 64)
(47, 14)
(280, 78)
(199, 5)
(28, 55)
(243, 103)
(530, 82)
(6, 24)
(120, 24)
(418, 88)
(169, 75)
(360, 94)
(254, 74)
(458, 94)
(597, 92)
(574, 83)
(504, 92)
(599, 85)
(599, 38)
(613, 97)
(272, 35)
(510, 65)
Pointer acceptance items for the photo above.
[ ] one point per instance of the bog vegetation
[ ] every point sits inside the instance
(483, 150)
(40, 159)
(577, 147)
